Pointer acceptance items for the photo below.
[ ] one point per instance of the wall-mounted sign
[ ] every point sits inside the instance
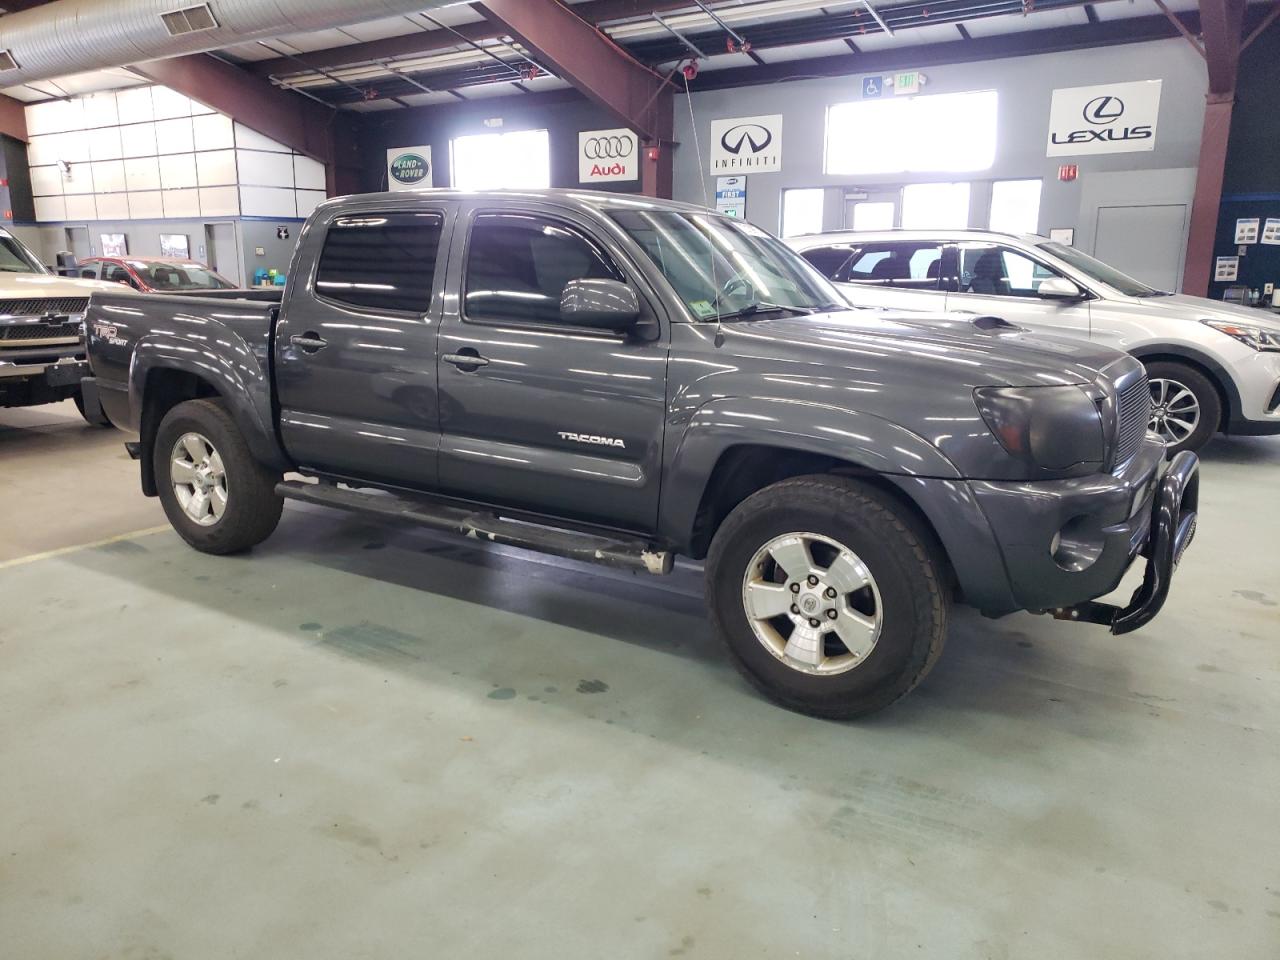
(1108, 118)
(746, 145)
(1247, 230)
(606, 155)
(282, 233)
(1271, 232)
(872, 87)
(907, 83)
(175, 245)
(731, 196)
(1068, 172)
(114, 245)
(408, 168)
(1063, 235)
(1226, 269)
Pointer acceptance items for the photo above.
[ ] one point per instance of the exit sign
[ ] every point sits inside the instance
(906, 83)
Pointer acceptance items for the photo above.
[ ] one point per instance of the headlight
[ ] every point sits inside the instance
(1053, 428)
(1247, 334)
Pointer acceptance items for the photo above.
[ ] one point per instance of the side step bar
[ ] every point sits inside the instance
(478, 525)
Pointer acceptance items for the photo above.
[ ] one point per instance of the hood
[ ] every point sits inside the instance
(977, 351)
(1202, 308)
(20, 286)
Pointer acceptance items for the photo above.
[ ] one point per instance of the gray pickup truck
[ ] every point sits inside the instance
(622, 380)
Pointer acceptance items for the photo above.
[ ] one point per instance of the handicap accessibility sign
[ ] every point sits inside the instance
(872, 87)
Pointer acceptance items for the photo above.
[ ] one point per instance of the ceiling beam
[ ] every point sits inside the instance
(431, 41)
(1221, 25)
(13, 118)
(304, 125)
(581, 54)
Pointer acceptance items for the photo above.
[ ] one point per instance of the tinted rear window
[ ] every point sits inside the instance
(381, 261)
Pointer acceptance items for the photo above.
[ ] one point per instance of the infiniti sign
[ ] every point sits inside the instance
(746, 145)
(1109, 118)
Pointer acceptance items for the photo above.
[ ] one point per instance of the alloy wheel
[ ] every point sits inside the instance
(812, 603)
(199, 479)
(1175, 411)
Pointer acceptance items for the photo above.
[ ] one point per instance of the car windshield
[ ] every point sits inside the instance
(15, 258)
(163, 275)
(1101, 272)
(724, 268)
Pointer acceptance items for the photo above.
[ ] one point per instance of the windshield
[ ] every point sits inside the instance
(15, 258)
(725, 268)
(178, 276)
(1100, 271)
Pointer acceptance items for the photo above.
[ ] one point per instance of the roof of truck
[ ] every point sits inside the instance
(582, 199)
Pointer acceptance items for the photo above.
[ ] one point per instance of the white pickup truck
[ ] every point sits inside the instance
(41, 330)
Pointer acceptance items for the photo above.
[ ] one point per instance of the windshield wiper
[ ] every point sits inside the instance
(759, 307)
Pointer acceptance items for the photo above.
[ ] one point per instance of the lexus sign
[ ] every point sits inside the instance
(1111, 118)
(606, 155)
(746, 145)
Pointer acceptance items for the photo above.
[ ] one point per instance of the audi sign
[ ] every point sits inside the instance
(608, 155)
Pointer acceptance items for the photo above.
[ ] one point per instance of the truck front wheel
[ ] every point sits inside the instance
(827, 599)
(217, 497)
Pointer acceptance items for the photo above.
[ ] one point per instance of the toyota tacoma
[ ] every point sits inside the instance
(622, 380)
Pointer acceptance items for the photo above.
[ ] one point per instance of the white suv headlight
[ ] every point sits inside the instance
(1247, 334)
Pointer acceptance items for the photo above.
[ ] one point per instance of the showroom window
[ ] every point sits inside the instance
(520, 160)
(993, 271)
(802, 211)
(936, 133)
(873, 215)
(1015, 206)
(901, 263)
(518, 266)
(380, 262)
(935, 206)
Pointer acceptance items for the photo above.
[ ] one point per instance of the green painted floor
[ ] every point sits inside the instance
(359, 741)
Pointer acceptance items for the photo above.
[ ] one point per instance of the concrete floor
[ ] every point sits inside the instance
(368, 742)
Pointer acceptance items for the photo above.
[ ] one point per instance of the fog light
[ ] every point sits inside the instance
(1078, 545)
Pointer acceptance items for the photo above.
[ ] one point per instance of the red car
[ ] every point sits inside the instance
(155, 274)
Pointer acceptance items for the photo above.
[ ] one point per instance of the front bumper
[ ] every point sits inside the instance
(1065, 543)
(27, 384)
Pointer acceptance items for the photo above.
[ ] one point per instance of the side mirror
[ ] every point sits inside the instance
(1058, 288)
(604, 304)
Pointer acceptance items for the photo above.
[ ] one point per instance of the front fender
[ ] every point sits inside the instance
(862, 439)
(228, 364)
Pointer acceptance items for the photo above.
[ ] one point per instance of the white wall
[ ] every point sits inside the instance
(148, 153)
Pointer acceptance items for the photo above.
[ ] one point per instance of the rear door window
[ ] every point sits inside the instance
(906, 264)
(832, 262)
(381, 261)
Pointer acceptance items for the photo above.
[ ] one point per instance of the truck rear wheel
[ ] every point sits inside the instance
(827, 599)
(217, 497)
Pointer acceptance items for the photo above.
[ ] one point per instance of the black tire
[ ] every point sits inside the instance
(1205, 393)
(252, 506)
(912, 598)
(94, 420)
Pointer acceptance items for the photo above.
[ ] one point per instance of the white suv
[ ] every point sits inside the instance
(1212, 366)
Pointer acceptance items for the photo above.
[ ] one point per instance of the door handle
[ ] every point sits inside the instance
(309, 342)
(465, 360)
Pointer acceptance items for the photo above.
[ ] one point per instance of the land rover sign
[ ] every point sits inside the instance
(408, 168)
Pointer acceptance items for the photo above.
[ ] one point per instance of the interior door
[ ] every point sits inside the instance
(355, 347)
(995, 280)
(536, 414)
(1146, 242)
(79, 242)
(224, 251)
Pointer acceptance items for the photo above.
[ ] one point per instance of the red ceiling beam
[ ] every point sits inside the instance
(311, 128)
(13, 118)
(431, 41)
(581, 54)
(1221, 23)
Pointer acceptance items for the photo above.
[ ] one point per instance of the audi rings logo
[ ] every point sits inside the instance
(751, 135)
(1104, 110)
(609, 148)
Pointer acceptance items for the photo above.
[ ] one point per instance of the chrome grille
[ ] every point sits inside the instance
(1133, 413)
(29, 332)
(39, 307)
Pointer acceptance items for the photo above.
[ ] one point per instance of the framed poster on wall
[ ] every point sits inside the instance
(175, 245)
(114, 245)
